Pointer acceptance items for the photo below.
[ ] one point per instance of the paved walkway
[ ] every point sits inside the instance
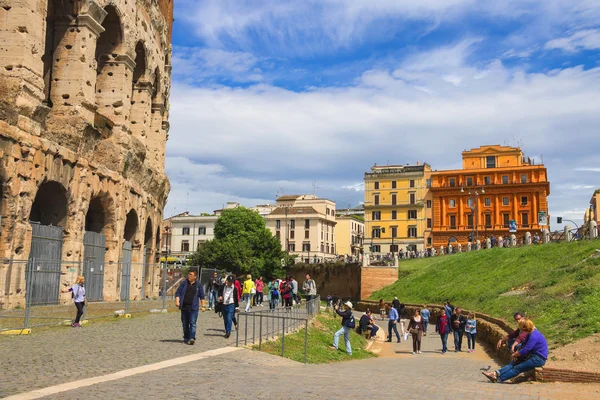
(64, 355)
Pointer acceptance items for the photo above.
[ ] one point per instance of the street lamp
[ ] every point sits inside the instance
(473, 196)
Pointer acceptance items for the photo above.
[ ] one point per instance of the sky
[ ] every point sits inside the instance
(277, 97)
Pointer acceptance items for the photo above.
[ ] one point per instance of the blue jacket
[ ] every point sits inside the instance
(181, 294)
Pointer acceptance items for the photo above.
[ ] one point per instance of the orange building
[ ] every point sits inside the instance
(496, 186)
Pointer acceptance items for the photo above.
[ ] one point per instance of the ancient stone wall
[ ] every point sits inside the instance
(344, 281)
(373, 278)
(84, 89)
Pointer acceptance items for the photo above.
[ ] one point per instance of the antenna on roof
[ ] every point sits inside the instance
(315, 187)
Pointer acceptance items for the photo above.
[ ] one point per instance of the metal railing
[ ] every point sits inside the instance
(275, 323)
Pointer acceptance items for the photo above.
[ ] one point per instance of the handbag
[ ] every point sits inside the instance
(414, 331)
(253, 291)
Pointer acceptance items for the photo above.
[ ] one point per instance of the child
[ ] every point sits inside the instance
(471, 330)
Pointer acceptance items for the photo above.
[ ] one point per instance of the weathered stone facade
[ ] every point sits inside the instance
(84, 88)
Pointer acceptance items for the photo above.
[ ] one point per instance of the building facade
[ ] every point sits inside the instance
(592, 214)
(349, 236)
(497, 192)
(305, 226)
(396, 208)
(84, 89)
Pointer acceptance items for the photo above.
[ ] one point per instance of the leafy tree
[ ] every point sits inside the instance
(242, 244)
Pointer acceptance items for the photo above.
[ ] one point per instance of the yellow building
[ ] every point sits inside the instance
(350, 232)
(397, 209)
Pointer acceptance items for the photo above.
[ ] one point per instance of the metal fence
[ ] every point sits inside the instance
(264, 325)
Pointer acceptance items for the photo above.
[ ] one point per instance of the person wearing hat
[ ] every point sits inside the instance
(348, 324)
(228, 295)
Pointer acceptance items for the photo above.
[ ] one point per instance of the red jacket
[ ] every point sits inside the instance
(238, 286)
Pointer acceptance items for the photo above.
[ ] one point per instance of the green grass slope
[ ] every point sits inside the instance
(557, 285)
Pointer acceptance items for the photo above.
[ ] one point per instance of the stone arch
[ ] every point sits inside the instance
(139, 72)
(110, 41)
(131, 226)
(50, 205)
(156, 87)
(148, 233)
(54, 34)
(100, 217)
(140, 94)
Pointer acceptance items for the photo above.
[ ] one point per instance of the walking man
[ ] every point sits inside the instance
(294, 283)
(310, 289)
(214, 285)
(228, 295)
(188, 297)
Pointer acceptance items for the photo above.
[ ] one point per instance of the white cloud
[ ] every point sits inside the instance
(588, 39)
(588, 169)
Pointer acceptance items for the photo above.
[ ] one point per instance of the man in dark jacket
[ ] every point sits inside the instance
(187, 297)
(458, 328)
(347, 326)
(213, 290)
(228, 296)
(368, 324)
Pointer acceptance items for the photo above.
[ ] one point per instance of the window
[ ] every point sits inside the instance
(185, 230)
(452, 203)
(487, 180)
(185, 245)
(305, 246)
(470, 202)
(412, 232)
(505, 201)
(452, 182)
(488, 202)
(327, 211)
(307, 224)
(292, 235)
(376, 248)
(490, 162)
(393, 184)
(376, 215)
(393, 248)
(202, 230)
(376, 199)
(505, 179)
(523, 200)
(394, 198)
(488, 220)
(470, 220)
(523, 178)
(394, 231)
(412, 198)
(292, 247)
(394, 214)
(322, 248)
(376, 233)
(428, 203)
(327, 248)
(411, 183)
(278, 234)
(453, 222)
(505, 220)
(429, 223)
(376, 185)
(278, 224)
(525, 220)
(428, 183)
(306, 234)
(470, 181)
(428, 241)
(412, 214)
(293, 224)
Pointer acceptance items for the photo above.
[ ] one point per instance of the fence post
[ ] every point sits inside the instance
(305, 338)
(237, 333)
(253, 326)
(164, 290)
(29, 276)
(260, 333)
(283, 338)
(245, 329)
(85, 304)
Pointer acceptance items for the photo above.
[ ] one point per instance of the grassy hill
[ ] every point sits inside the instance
(557, 285)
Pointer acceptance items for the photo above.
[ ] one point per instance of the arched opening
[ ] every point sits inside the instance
(140, 93)
(96, 216)
(131, 226)
(148, 269)
(140, 63)
(156, 85)
(107, 50)
(50, 205)
(54, 34)
(148, 233)
(98, 220)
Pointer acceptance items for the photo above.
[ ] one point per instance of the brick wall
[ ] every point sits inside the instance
(375, 278)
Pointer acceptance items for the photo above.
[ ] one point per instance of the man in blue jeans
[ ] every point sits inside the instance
(228, 297)
(533, 354)
(188, 297)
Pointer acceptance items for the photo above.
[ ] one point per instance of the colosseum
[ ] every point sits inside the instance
(84, 89)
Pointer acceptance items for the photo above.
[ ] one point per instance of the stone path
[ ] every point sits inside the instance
(65, 355)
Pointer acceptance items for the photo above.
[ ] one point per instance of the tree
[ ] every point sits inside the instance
(242, 244)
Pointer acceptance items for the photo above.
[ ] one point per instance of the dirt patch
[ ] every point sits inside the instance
(581, 355)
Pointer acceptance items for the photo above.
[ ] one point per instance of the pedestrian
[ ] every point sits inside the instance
(416, 328)
(471, 331)
(425, 314)
(442, 326)
(287, 294)
(533, 354)
(348, 324)
(228, 296)
(403, 320)
(514, 338)
(310, 290)
(78, 295)
(274, 294)
(259, 292)
(392, 314)
(294, 283)
(382, 309)
(213, 285)
(248, 292)
(458, 328)
(188, 297)
(367, 323)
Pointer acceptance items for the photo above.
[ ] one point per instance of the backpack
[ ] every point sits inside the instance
(274, 292)
(350, 322)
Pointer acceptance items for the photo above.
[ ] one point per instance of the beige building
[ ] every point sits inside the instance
(84, 120)
(305, 226)
(349, 235)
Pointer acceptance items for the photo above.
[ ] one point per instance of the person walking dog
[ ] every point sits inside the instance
(78, 293)
(188, 297)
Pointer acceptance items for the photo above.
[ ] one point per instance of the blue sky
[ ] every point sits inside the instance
(273, 97)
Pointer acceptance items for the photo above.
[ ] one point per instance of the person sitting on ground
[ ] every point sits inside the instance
(533, 354)
(416, 328)
(367, 323)
(515, 335)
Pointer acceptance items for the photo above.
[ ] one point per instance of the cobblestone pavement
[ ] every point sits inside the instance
(60, 356)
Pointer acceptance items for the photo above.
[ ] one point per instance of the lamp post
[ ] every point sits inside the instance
(474, 197)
